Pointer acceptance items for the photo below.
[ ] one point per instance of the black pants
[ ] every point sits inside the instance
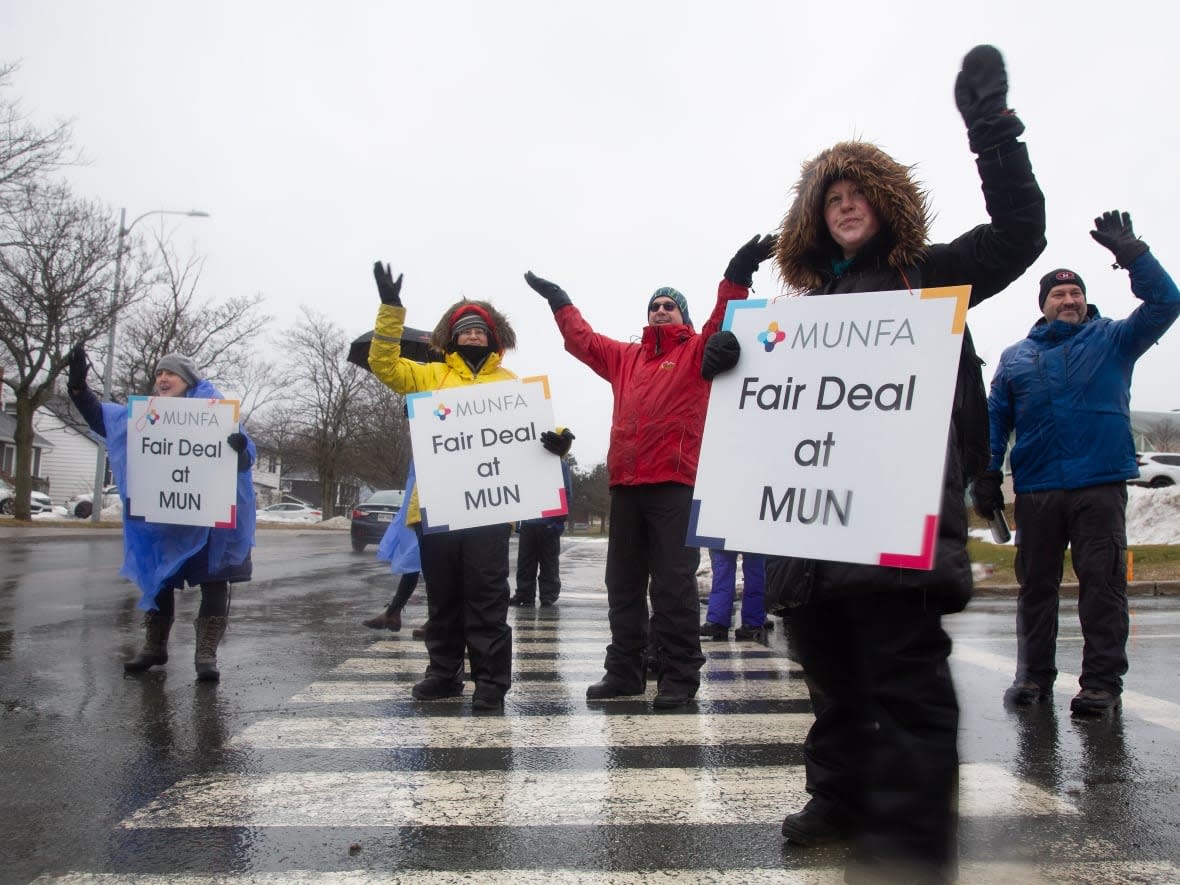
(406, 586)
(539, 550)
(646, 554)
(882, 756)
(466, 574)
(1093, 523)
(214, 600)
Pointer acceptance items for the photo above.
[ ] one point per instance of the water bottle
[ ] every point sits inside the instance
(999, 527)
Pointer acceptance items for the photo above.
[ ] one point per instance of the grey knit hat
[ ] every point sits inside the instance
(181, 365)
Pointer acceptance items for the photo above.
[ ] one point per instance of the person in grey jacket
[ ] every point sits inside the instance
(1066, 391)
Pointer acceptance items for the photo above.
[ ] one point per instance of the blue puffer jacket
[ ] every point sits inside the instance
(1066, 390)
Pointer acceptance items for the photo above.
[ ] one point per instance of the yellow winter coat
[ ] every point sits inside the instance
(406, 376)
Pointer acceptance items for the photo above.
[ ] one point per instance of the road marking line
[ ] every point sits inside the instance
(344, 691)
(615, 797)
(570, 730)
(1146, 707)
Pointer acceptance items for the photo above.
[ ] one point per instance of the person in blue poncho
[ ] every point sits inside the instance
(399, 547)
(160, 557)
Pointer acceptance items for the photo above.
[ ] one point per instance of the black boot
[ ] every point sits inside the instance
(155, 644)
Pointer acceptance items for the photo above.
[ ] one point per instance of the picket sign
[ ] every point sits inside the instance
(828, 439)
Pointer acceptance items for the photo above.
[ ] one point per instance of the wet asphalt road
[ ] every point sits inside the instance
(300, 761)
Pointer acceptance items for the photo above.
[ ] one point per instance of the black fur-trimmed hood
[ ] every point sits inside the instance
(805, 248)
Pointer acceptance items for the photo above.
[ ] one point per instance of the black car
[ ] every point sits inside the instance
(372, 518)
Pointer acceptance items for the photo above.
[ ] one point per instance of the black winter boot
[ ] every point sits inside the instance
(155, 644)
(209, 633)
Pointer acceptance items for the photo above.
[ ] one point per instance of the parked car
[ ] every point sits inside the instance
(39, 502)
(82, 505)
(372, 518)
(1157, 469)
(289, 511)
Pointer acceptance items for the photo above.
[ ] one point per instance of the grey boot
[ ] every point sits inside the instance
(209, 633)
(155, 643)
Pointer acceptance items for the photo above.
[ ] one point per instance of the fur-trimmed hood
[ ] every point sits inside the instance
(502, 336)
(805, 249)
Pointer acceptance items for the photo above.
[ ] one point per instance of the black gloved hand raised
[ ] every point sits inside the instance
(746, 260)
(981, 93)
(987, 494)
(551, 292)
(557, 443)
(721, 354)
(76, 380)
(1113, 230)
(388, 289)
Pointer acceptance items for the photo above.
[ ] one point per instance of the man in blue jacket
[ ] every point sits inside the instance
(1066, 391)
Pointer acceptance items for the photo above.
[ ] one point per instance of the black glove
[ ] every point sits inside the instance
(557, 443)
(721, 354)
(986, 491)
(746, 260)
(981, 92)
(551, 292)
(78, 367)
(1113, 230)
(237, 442)
(388, 289)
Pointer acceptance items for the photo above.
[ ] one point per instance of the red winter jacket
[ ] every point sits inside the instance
(660, 396)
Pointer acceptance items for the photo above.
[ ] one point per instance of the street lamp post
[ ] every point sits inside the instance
(100, 461)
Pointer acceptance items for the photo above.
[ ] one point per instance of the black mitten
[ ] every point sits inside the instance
(987, 494)
(746, 260)
(389, 290)
(551, 292)
(1113, 230)
(981, 93)
(721, 354)
(76, 380)
(557, 443)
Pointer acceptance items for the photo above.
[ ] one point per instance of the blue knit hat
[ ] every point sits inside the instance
(674, 295)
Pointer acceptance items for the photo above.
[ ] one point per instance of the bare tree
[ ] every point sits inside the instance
(27, 153)
(1162, 433)
(220, 337)
(55, 282)
(325, 412)
(383, 440)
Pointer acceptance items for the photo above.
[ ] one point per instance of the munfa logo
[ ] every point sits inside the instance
(771, 336)
(441, 412)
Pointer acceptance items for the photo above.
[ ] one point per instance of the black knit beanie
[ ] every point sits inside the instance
(1060, 277)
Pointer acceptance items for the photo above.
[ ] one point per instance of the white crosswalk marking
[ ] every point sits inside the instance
(352, 759)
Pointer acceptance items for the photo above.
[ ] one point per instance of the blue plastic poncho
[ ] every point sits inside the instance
(399, 544)
(154, 551)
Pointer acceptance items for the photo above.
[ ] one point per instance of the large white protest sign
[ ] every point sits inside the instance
(180, 469)
(828, 439)
(478, 454)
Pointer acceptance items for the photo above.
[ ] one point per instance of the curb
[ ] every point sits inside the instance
(1134, 588)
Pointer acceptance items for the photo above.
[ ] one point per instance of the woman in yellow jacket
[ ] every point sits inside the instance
(466, 570)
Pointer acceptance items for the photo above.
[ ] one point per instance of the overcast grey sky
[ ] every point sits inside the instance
(612, 147)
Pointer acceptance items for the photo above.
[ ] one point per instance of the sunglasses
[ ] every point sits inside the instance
(663, 305)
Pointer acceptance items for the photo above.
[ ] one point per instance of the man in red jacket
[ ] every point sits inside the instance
(661, 390)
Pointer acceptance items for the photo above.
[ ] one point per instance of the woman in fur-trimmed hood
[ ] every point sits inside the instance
(805, 246)
(881, 758)
(466, 570)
